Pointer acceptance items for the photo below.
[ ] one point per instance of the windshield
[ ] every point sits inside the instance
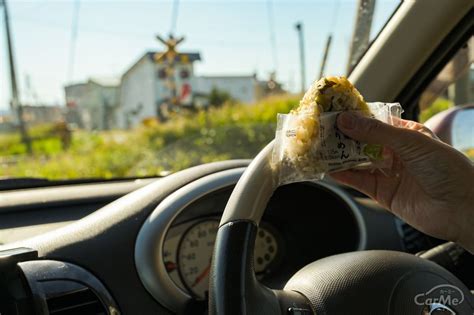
(112, 89)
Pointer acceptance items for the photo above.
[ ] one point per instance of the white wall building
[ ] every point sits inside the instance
(240, 88)
(96, 101)
(145, 86)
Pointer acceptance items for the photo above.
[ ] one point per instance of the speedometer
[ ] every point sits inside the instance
(195, 254)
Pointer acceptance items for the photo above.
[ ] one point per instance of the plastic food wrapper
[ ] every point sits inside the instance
(308, 143)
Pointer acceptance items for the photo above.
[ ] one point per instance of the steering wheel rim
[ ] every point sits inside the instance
(234, 288)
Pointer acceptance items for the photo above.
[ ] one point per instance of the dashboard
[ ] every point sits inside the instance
(303, 222)
(144, 247)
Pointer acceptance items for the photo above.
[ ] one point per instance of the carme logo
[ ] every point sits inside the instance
(443, 294)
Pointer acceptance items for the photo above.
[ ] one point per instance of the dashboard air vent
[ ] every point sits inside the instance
(83, 301)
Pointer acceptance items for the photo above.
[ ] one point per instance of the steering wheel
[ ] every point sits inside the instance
(364, 282)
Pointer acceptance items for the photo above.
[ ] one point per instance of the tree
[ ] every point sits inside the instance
(218, 97)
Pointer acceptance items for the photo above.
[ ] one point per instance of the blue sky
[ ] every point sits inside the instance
(233, 37)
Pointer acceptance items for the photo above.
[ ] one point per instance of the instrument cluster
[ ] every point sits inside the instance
(188, 247)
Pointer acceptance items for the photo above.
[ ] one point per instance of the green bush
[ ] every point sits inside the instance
(439, 105)
(227, 132)
(218, 98)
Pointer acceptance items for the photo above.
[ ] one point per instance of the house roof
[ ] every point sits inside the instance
(150, 55)
(74, 85)
(190, 56)
(106, 81)
(229, 76)
(102, 81)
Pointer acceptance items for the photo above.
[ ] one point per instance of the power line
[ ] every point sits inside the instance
(131, 34)
(271, 24)
(72, 48)
(174, 17)
(208, 41)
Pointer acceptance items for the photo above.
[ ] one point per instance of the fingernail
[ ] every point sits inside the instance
(346, 120)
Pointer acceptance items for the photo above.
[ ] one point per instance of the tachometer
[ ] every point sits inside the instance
(195, 254)
(266, 247)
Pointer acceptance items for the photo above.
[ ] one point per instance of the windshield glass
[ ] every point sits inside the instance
(109, 89)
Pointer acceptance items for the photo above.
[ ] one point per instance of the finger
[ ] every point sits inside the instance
(407, 124)
(369, 130)
(361, 180)
(413, 125)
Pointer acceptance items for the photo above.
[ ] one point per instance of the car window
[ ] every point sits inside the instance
(454, 86)
(109, 89)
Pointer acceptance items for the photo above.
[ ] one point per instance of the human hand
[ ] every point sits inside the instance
(430, 184)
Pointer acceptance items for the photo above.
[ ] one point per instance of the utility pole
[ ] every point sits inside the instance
(459, 91)
(325, 56)
(299, 29)
(15, 103)
(361, 35)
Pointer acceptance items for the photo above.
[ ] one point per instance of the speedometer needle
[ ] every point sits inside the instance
(203, 275)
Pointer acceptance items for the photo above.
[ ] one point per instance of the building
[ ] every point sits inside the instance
(157, 84)
(244, 89)
(6, 121)
(241, 88)
(145, 90)
(94, 104)
(41, 114)
(149, 85)
(32, 115)
(154, 85)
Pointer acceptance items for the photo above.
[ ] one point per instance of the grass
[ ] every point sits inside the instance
(231, 131)
(228, 132)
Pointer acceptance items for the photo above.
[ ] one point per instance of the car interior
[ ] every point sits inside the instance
(221, 238)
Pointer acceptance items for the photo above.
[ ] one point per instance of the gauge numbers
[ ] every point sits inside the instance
(265, 250)
(195, 254)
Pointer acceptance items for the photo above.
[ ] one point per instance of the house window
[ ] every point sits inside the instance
(162, 74)
(184, 74)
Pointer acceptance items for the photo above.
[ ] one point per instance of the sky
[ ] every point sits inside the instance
(233, 37)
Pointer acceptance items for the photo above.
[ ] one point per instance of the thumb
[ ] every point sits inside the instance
(373, 131)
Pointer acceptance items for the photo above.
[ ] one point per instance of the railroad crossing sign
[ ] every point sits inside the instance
(170, 53)
(169, 59)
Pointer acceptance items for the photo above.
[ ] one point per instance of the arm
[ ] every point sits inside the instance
(430, 184)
